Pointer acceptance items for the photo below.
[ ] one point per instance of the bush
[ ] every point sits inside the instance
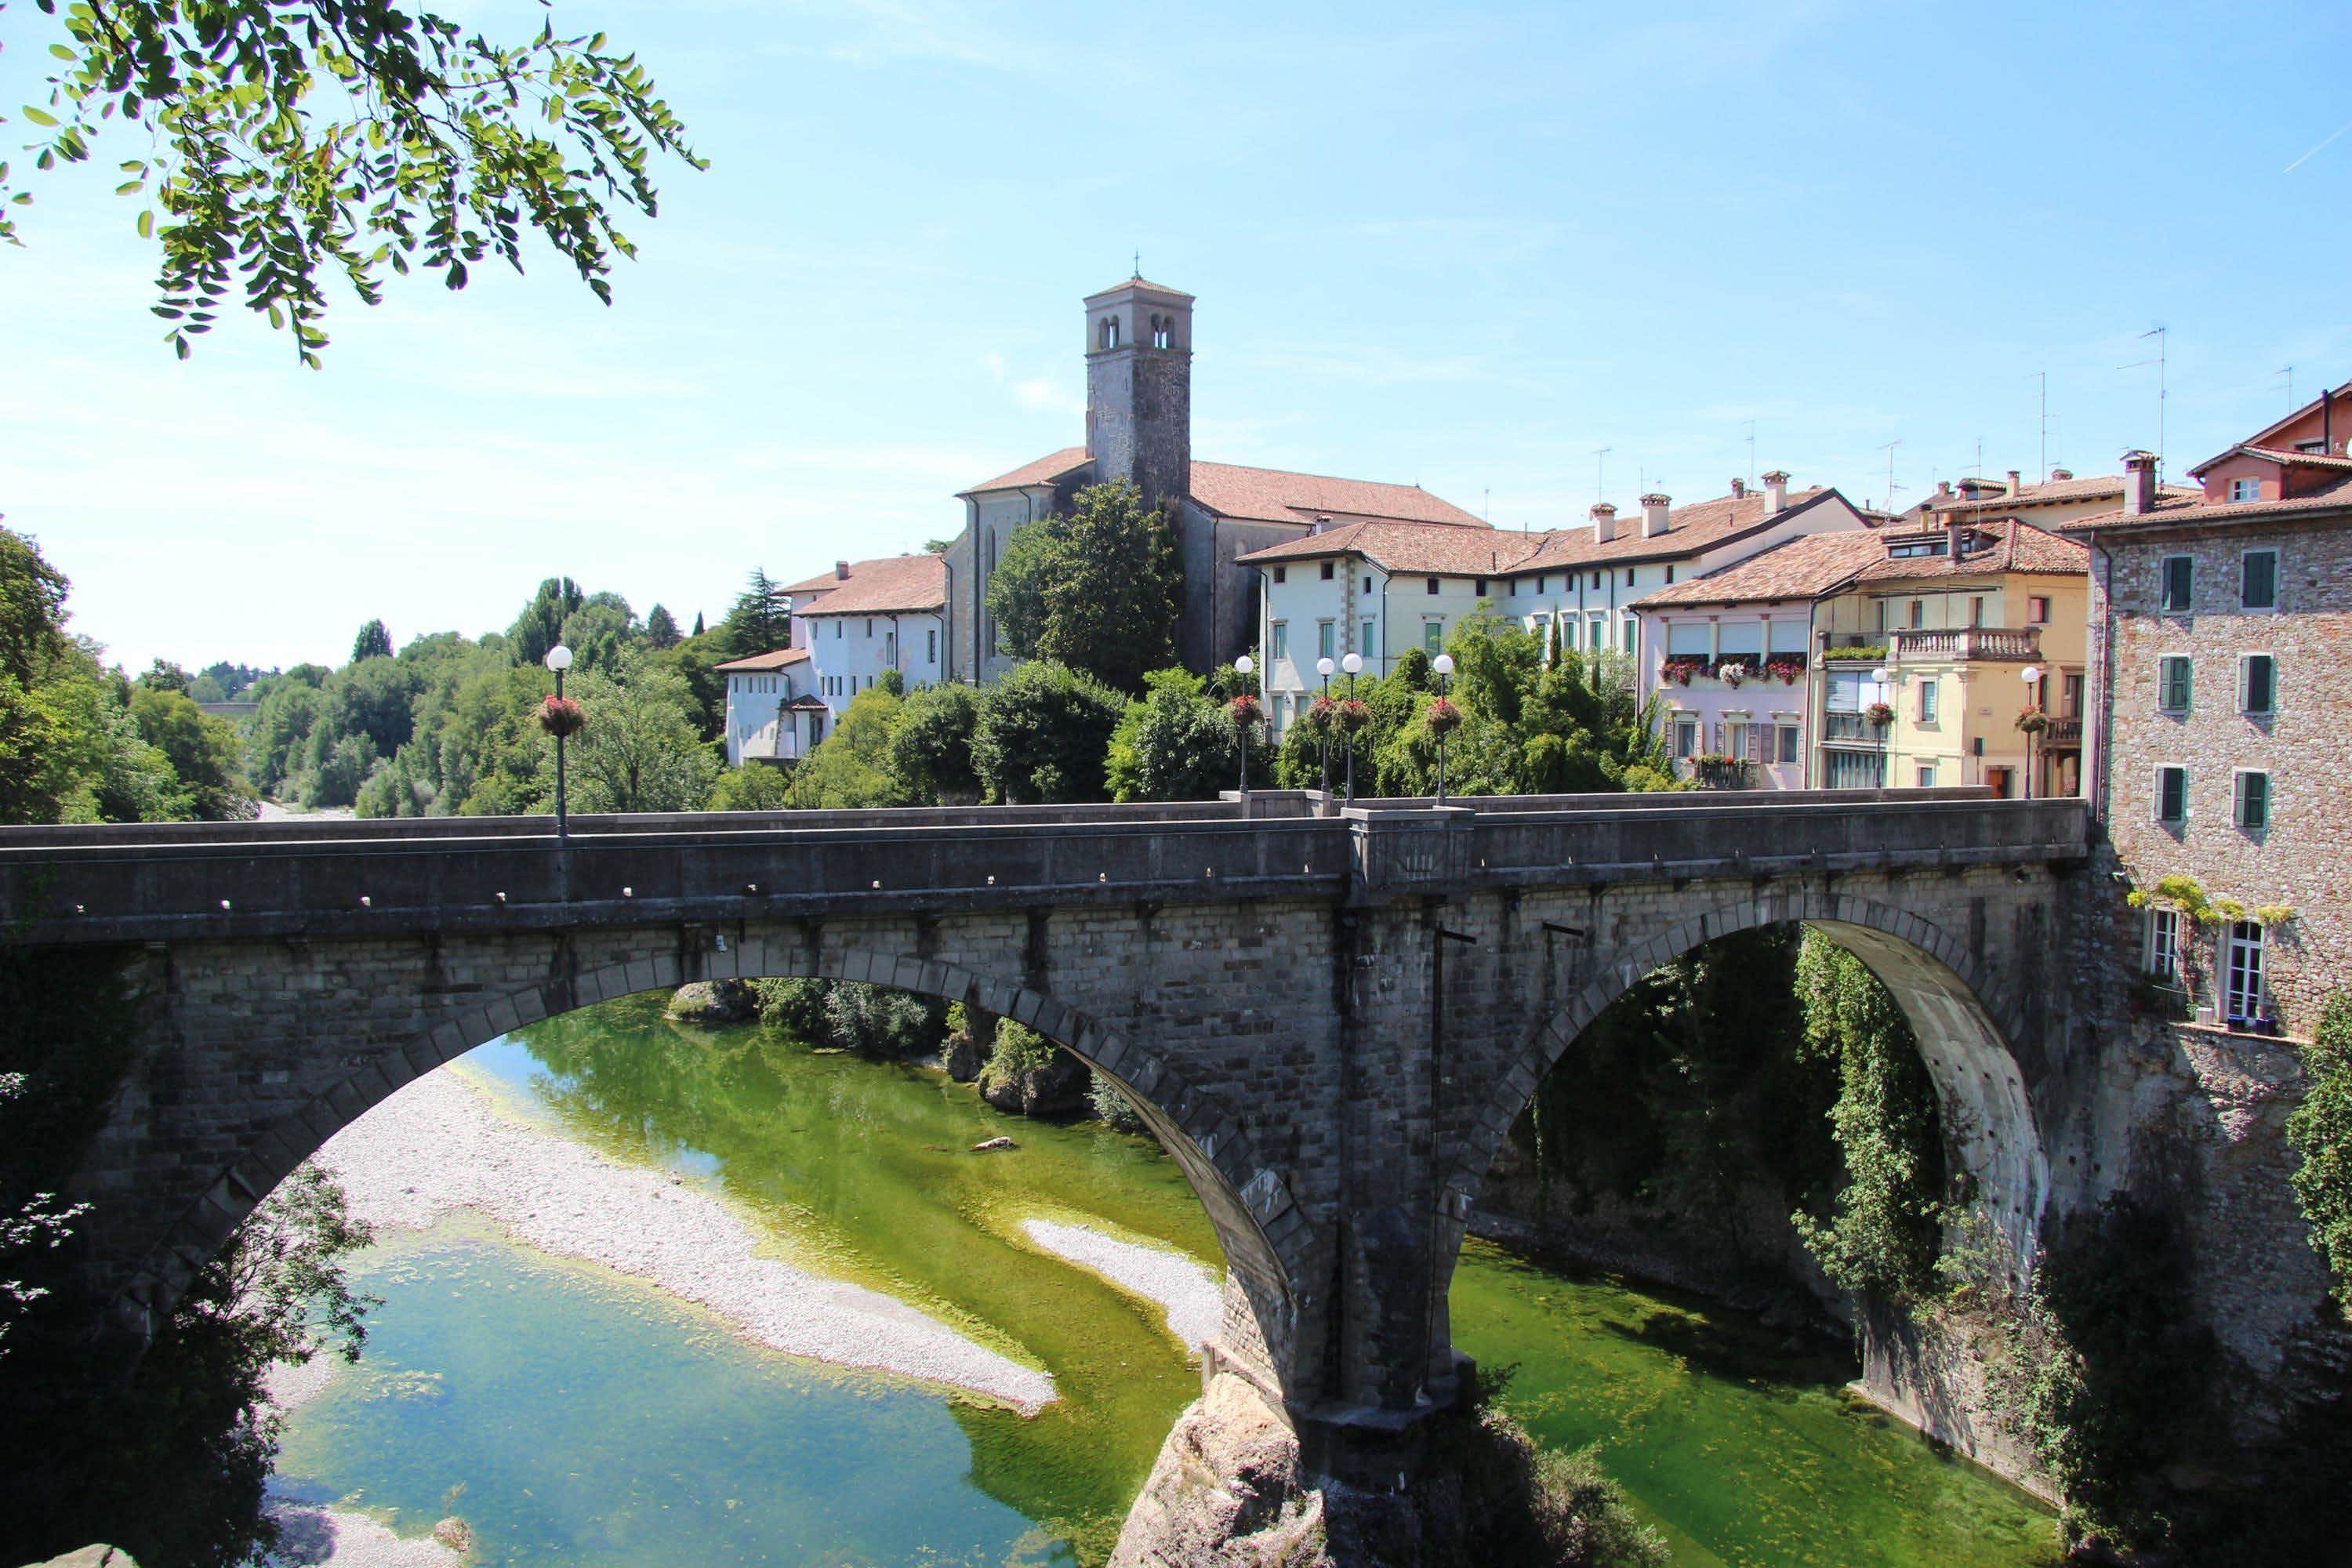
(754, 786)
(930, 750)
(1116, 1109)
(2320, 1129)
(1524, 1503)
(1043, 735)
(850, 1015)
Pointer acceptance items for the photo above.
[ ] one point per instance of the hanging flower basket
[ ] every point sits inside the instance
(1246, 712)
(1880, 713)
(560, 716)
(1442, 718)
(1353, 715)
(2033, 720)
(1322, 715)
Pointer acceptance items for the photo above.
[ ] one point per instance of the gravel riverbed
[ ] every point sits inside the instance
(1184, 1287)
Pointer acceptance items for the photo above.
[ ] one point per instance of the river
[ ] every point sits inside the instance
(568, 1410)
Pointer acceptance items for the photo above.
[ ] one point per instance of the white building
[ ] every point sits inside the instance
(772, 711)
(1378, 588)
(870, 617)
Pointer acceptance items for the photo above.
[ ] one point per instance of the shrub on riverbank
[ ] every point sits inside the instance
(1030, 1074)
(852, 1015)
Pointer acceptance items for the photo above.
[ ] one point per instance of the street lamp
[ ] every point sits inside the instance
(1878, 678)
(1324, 667)
(2032, 675)
(1443, 667)
(558, 660)
(1352, 664)
(1245, 715)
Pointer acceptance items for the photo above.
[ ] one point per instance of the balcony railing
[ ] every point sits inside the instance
(1849, 727)
(2064, 732)
(2015, 645)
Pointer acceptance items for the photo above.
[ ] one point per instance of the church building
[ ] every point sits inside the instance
(1139, 357)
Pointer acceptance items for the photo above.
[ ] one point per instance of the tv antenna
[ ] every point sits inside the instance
(1600, 467)
(2163, 342)
(2043, 376)
(1751, 451)
(2286, 374)
(1891, 486)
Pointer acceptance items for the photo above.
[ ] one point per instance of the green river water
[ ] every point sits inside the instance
(571, 1415)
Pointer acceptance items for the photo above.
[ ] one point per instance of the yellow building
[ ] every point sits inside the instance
(1959, 629)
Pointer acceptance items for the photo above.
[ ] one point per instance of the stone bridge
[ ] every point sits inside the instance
(1329, 1016)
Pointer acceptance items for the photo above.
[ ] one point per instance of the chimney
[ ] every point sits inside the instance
(2139, 483)
(1739, 486)
(840, 570)
(1952, 539)
(1604, 522)
(1775, 489)
(1942, 490)
(1654, 515)
(1321, 523)
(2059, 475)
(2016, 484)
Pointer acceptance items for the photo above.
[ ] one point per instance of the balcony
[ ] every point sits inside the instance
(2008, 644)
(2064, 732)
(1850, 729)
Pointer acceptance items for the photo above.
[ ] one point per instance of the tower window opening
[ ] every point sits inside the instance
(1163, 333)
(1110, 332)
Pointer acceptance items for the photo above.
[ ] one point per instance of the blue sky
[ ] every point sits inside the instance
(1465, 247)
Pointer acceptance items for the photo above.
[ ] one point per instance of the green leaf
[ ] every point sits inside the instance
(39, 116)
(147, 224)
(62, 52)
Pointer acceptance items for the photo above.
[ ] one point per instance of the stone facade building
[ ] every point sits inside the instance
(1138, 358)
(2221, 627)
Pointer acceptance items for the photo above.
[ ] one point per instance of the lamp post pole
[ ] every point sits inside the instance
(558, 660)
(1324, 667)
(1878, 678)
(2032, 677)
(1443, 666)
(1351, 664)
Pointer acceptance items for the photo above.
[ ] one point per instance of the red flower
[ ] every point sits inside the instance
(1322, 715)
(1245, 711)
(560, 716)
(1353, 715)
(1442, 717)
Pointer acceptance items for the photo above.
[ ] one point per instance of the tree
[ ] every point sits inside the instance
(761, 620)
(1100, 590)
(291, 139)
(697, 623)
(598, 630)
(661, 629)
(2320, 1129)
(164, 675)
(930, 750)
(203, 751)
(850, 769)
(540, 625)
(1175, 744)
(373, 642)
(1042, 735)
(754, 786)
(639, 751)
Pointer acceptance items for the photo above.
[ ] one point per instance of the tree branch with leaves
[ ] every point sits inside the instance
(292, 139)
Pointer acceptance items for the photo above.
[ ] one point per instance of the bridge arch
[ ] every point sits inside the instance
(1266, 1238)
(1970, 1026)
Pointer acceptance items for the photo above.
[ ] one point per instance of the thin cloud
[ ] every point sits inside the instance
(2299, 162)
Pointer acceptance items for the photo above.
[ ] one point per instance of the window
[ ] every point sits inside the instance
(2072, 687)
(1282, 639)
(2179, 574)
(2245, 489)
(1282, 574)
(1433, 585)
(1629, 634)
(2172, 795)
(2257, 683)
(1477, 587)
(2241, 973)
(890, 648)
(2037, 610)
(1329, 568)
(1596, 581)
(1368, 584)
(1928, 690)
(1927, 775)
(1540, 583)
(1596, 633)
(1685, 737)
(2164, 944)
(1432, 635)
(1368, 643)
(2172, 680)
(1110, 332)
(1628, 577)
(932, 646)
(2253, 801)
(1325, 639)
(1164, 331)
(2258, 580)
(2312, 449)
(1670, 570)
(1787, 752)
(1976, 610)
(837, 629)
(1918, 614)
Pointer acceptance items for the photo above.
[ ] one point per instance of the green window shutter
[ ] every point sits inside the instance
(2258, 588)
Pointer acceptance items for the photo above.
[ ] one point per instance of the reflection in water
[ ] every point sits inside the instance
(586, 1418)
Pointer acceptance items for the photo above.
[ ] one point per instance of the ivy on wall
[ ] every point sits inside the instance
(2320, 1129)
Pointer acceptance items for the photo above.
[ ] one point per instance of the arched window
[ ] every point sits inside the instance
(1164, 331)
(1110, 332)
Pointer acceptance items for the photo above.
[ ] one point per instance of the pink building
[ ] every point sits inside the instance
(1729, 656)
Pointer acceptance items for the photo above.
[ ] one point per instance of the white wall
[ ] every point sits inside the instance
(850, 653)
(756, 727)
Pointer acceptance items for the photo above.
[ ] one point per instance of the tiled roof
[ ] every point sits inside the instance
(2267, 431)
(2337, 497)
(1702, 525)
(2018, 547)
(1138, 281)
(1267, 495)
(1437, 547)
(777, 660)
(1277, 494)
(2275, 454)
(895, 583)
(1800, 568)
(2050, 492)
(1044, 470)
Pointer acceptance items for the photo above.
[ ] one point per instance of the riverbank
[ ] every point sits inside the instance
(561, 1197)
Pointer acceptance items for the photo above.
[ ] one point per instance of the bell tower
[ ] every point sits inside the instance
(1140, 387)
